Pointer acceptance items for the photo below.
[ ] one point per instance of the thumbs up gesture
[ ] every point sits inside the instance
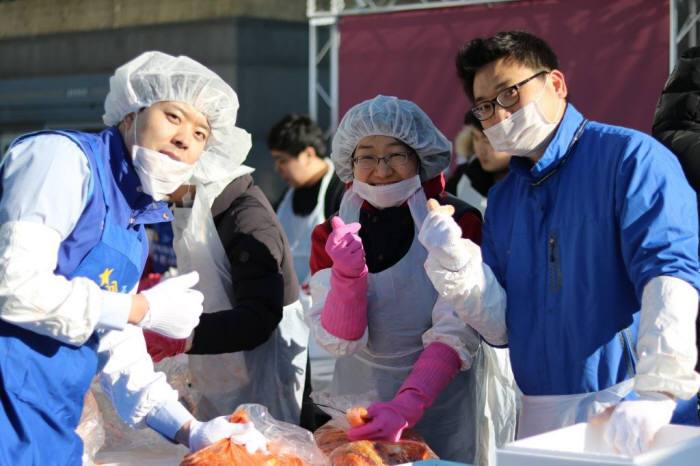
(344, 247)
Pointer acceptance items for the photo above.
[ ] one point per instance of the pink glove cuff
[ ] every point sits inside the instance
(344, 313)
(435, 368)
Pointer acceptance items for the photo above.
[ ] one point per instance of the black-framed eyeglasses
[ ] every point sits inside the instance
(370, 162)
(506, 98)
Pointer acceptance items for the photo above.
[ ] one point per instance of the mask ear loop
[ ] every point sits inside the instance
(136, 119)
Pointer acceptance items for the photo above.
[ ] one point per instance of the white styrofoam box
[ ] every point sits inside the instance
(583, 445)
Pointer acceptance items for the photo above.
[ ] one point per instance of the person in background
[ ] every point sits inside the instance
(251, 343)
(483, 166)
(677, 126)
(372, 304)
(588, 268)
(161, 262)
(298, 148)
(73, 210)
(162, 254)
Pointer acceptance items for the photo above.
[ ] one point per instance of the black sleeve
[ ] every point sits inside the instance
(677, 116)
(254, 248)
(334, 194)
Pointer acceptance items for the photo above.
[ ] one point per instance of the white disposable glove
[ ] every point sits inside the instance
(203, 434)
(634, 423)
(456, 269)
(442, 237)
(173, 306)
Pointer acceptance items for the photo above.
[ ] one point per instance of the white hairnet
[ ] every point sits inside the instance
(400, 119)
(155, 77)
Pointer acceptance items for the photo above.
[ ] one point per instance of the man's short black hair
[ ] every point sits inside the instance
(520, 46)
(294, 133)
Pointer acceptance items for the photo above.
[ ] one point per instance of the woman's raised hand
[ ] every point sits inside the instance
(344, 247)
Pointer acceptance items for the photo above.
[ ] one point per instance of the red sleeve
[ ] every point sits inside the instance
(319, 258)
(470, 223)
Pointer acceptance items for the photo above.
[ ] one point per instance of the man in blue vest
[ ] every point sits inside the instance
(588, 268)
(73, 210)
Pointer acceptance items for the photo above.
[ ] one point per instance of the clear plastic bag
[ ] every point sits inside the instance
(337, 406)
(91, 429)
(283, 437)
(120, 437)
(287, 444)
(497, 401)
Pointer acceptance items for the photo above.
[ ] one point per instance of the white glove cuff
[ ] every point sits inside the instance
(320, 285)
(167, 418)
(146, 321)
(478, 298)
(666, 342)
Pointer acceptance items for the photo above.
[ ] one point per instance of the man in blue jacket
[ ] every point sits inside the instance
(73, 209)
(588, 268)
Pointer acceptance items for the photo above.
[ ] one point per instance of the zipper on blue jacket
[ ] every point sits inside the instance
(554, 265)
(628, 351)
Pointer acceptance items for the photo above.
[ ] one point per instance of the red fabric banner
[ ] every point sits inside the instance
(614, 55)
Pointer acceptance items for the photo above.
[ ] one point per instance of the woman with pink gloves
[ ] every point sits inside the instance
(373, 305)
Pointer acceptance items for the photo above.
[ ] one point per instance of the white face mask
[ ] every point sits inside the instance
(387, 195)
(525, 132)
(160, 175)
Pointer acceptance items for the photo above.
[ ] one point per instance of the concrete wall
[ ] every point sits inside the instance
(21, 18)
(60, 79)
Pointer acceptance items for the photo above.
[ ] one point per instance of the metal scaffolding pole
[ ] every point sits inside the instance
(323, 21)
(683, 13)
(326, 17)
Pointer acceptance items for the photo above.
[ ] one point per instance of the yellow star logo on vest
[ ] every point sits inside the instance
(104, 280)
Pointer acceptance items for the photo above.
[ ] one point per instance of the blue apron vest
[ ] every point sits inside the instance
(43, 382)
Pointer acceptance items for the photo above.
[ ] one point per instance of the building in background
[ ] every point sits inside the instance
(57, 56)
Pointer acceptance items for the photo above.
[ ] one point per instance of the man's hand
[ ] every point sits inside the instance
(203, 434)
(634, 423)
(442, 237)
(173, 306)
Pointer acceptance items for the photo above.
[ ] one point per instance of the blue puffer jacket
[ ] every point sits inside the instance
(574, 239)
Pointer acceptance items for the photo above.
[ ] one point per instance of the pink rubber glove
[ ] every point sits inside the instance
(345, 310)
(436, 366)
(161, 347)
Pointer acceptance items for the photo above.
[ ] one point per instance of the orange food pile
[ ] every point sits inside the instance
(227, 453)
(336, 445)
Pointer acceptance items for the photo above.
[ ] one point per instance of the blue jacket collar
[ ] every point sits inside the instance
(144, 208)
(556, 150)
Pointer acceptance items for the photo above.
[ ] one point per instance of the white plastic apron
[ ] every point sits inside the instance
(400, 302)
(272, 374)
(298, 230)
(548, 412)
